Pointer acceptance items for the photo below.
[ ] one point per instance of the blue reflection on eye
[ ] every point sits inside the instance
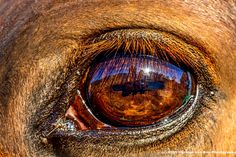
(145, 66)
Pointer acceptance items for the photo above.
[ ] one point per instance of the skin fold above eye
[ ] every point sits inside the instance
(41, 41)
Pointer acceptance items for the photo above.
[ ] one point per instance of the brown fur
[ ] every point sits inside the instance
(39, 41)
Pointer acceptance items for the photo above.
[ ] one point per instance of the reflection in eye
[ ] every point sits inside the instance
(129, 91)
(137, 91)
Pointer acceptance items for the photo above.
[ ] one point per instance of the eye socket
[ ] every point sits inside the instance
(134, 91)
(109, 54)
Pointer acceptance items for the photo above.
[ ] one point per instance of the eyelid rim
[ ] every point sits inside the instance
(85, 87)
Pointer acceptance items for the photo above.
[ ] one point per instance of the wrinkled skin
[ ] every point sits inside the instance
(36, 45)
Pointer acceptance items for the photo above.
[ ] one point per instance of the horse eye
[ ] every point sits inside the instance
(132, 91)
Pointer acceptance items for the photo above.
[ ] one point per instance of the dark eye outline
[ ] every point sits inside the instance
(152, 134)
(104, 57)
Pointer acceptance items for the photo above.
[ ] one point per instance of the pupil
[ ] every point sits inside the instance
(136, 91)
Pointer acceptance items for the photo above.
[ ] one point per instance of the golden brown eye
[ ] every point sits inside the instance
(130, 91)
(138, 91)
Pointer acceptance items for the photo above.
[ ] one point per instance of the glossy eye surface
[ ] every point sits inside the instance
(137, 91)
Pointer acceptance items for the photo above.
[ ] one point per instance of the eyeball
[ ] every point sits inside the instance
(137, 91)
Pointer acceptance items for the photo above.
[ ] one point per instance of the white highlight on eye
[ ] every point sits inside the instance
(147, 70)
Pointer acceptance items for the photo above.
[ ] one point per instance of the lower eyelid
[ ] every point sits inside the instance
(63, 140)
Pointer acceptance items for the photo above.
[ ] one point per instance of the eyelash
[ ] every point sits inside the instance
(158, 44)
(134, 41)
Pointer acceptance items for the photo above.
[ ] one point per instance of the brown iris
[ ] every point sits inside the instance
(136, 91)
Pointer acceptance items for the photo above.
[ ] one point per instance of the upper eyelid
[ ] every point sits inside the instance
(151, 41)
(148, 35)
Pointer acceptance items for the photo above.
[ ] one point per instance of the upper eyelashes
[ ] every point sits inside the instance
(156, 43)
